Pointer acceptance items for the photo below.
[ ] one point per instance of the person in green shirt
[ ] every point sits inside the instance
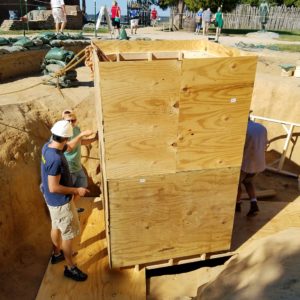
(218, 23)
(79, 178)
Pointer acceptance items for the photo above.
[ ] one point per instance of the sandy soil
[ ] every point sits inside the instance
(25, 120)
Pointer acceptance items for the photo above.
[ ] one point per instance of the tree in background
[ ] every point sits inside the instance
(227, 5)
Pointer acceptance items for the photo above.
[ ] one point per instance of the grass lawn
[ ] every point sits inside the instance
(284, 47)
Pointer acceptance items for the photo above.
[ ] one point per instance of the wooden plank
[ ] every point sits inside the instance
(100, 123)
(214, 105)
(102, 283)
(170, 216)
(260, 194)
(109, 47)
(139, 102)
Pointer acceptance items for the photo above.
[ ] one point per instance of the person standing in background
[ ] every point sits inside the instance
(198, 20)
(116, 16)
(206, 18)
(153, 16)
(134, 20)
(59, 15)
(218, 23)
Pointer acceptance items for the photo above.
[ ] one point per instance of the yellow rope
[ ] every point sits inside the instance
(88, 56)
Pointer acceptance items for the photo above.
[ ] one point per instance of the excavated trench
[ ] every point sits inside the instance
(25, 244)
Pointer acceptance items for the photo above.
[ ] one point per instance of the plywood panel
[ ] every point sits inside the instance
(140, 112)
(103, 283)
(109, 47)
(214, 104)
(173, 215)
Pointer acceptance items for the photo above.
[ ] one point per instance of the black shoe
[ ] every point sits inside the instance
(57, 258)
(75, 274)
(238, 207)
(253, 209)
(80, 209)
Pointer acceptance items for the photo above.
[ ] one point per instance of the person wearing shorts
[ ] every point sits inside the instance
(73, 153)
(134, 20)
(59, 196)
(116, 16)
(253, 163)
(59, 15)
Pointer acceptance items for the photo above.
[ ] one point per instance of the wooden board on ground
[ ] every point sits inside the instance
(103, 283)
(170, 216)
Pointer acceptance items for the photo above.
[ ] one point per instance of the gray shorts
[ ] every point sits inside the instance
(65, 218)
(79, 179)
(58, 15)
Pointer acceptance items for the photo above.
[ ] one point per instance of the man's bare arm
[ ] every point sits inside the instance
(56, 187)
(73, 143)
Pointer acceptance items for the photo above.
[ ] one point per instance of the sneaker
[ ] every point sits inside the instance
(75, 274)
(80, 209)
(57, 258)
(238, 207)
(253, 209)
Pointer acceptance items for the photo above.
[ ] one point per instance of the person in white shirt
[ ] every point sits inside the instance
(59, 15)
(253, 162)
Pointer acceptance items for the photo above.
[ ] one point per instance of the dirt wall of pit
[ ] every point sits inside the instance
(277, 97)
(25, 244)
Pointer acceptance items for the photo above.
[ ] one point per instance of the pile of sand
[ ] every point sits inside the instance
(268, 269)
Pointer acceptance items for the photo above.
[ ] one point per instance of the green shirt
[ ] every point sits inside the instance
(219, 19)
(74, 156)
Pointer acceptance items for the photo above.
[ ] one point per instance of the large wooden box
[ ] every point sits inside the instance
(172, 121)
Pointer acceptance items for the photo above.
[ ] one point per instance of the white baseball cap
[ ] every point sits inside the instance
(62, 128)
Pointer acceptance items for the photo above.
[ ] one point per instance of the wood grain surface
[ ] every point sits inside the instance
(140, 113)
(214, 104)
(173, 215)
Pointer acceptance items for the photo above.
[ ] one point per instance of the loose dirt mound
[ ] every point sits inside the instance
(268, 269)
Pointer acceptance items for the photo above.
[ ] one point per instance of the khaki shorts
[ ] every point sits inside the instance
(65, 218)
(134, 22)
(58, 15)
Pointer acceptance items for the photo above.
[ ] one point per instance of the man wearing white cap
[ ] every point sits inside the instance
(59, 193)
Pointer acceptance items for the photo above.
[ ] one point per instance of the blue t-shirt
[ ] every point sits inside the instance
(54, 163)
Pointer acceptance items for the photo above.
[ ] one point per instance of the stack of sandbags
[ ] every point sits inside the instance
(54, 62)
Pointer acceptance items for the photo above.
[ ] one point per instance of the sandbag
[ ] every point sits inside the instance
(24, 42)
(3, 41)
(59, 54)
(56, 43)
(10, 49)
(53, 68)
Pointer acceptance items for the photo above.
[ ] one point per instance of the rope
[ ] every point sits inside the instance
(86, 54)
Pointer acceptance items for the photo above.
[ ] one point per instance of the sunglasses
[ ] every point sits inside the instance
(72, 121)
